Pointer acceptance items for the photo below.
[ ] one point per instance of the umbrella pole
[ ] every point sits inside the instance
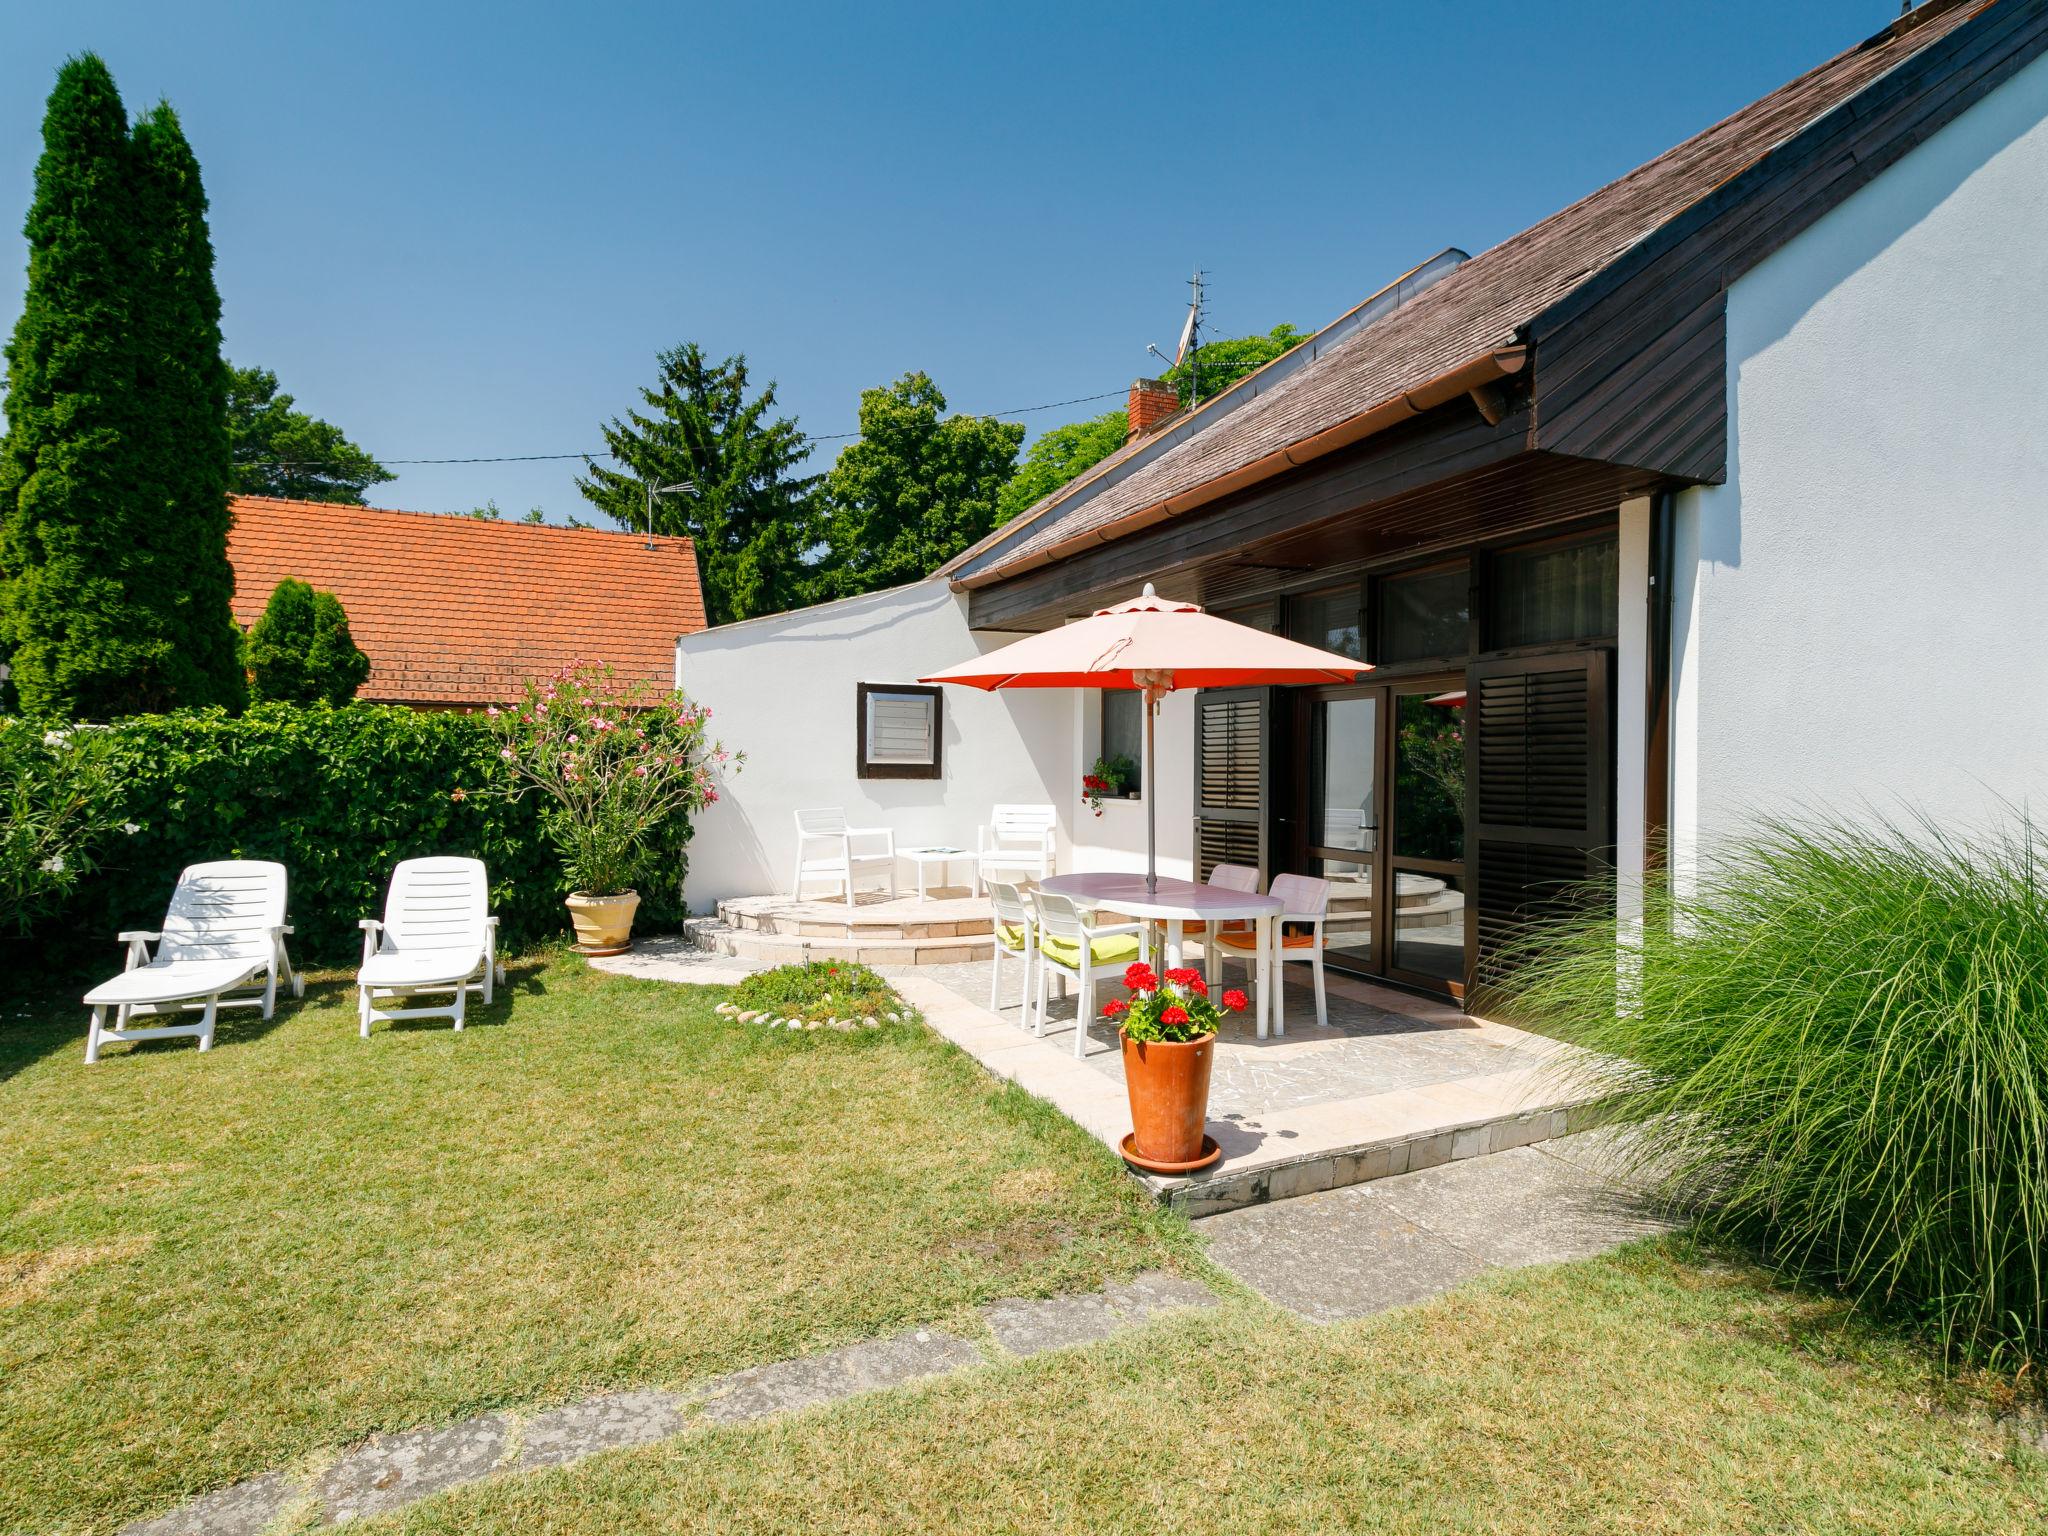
(1151, 798)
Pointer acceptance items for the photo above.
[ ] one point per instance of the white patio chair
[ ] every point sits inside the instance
(225, 929)
(1226, 877)
(1017, 837)
(1016, 933)
(1071, 942)
(437, 935)
(1305, 902)
(839, 862)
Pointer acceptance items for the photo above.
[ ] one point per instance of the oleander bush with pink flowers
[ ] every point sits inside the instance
(615, 764)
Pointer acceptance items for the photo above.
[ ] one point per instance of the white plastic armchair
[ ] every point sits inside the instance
(1305, 904)
(825, 850)
(223, 934)
(1017, 837)
(437, 935)
(1074, 943)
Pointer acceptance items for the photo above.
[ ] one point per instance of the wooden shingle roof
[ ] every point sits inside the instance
(457, 610)
(1487, 305)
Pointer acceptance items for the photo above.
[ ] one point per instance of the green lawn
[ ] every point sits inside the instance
(1651, 1391)
(212, 1265)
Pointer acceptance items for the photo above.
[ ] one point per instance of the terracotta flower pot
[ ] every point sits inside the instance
(604, 924)
(1169, 1087)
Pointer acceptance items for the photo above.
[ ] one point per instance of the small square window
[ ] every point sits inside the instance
(898, 728)
(1123, 734)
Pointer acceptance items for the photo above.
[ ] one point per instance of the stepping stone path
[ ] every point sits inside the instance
(387, 1472)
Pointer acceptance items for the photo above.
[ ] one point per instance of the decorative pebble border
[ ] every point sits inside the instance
(767, 1019)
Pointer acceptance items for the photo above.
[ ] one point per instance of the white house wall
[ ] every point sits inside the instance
(1859, 609)
(782, 690)
(1116, 838)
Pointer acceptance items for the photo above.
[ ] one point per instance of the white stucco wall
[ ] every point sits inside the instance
(1116, 838)
(1859, 610)
(782, 690)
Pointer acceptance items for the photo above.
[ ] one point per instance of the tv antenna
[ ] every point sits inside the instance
(680, 488)
(1190, 349)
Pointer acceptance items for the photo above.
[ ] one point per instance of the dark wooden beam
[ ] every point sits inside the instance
(1448, 442)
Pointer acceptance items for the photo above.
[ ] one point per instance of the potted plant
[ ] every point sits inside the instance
(1168, 1028)
(616, 761)
(1111, 777)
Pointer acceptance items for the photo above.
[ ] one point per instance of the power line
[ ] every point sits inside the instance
(606, 453)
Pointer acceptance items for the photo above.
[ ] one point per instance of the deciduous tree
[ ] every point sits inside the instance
(1057, 456)
(917, 488)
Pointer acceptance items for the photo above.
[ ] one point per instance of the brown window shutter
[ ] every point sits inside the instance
(1542, 766)
(1230, 779)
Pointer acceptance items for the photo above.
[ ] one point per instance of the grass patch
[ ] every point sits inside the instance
(1656, 1390)
(213, 1265)
(821, 992)
(1837, 1051)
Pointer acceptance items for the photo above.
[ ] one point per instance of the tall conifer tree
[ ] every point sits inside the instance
(113, 474)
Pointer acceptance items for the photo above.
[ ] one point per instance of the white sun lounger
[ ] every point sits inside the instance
(223, 934)
(437, 936)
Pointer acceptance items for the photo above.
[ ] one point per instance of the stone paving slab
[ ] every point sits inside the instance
(606, 1423)
(243, 1510)
(1361, 1249)
(788, 1385)
(387, 1472)
(1026, 1328)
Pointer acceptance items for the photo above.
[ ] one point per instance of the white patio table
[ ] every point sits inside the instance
(1175, 902)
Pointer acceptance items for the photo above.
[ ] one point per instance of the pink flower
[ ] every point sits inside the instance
(640, 772)
(493, 711)
(506, 753)
(711, 797)
(600, 724)
(574, 738)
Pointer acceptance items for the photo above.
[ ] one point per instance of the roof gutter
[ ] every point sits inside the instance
(1476, 376)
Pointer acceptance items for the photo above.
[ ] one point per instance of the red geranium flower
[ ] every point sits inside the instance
(1235, 1000)
(1139, 978)
(1184, 975)
(1174, 1015)
(1114, 1007)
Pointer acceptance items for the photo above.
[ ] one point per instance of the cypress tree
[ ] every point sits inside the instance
(185, 384)
(113, 558)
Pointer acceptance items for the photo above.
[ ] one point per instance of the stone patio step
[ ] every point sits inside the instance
(881, 922)
(757, 947)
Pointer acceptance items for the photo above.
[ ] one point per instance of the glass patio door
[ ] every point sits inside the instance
(1424, 884)
(1341, 815)
(1379, 811)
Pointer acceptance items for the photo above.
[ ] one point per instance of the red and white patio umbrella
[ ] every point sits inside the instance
(1155, 645)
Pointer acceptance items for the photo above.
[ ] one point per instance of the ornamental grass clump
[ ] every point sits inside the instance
(616, 760)
(1836, 1050)
(1175, 1008)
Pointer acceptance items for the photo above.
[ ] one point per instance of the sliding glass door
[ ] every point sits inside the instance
(1378, 811)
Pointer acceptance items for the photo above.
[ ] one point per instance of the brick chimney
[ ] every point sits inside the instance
(1152, 401)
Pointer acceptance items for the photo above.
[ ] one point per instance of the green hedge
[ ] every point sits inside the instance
(338, 796)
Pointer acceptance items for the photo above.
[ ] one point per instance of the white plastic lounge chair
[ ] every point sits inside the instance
(1016, 933)
(1073, 943)
(225, 929)
(1017, 837)
(1306, 902)
(437, 936)
(838, 862)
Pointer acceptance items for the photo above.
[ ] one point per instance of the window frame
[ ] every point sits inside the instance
(864, 767)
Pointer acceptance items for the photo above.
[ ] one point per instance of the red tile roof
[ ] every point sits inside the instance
(458, 610)
(1484, 304)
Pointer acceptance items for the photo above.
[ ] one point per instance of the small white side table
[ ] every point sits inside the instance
(924, 858)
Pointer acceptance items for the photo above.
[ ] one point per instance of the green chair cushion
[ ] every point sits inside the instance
(1010, 936)
(1117, 949)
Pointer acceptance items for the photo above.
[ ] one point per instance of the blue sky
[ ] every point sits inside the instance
(466, 229)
